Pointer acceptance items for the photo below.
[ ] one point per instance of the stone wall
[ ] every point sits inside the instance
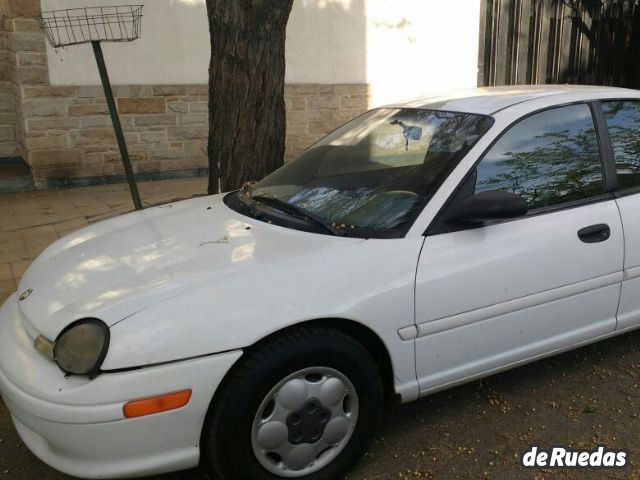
(65, 132)
(313, 110)
(69, 134)
(27, 59)
(8, 118)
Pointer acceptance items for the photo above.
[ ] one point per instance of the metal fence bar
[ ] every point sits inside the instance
(558, 41)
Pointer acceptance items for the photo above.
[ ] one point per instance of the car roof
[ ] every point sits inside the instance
(489, 100)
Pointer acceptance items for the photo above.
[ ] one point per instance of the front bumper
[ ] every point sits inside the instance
(77, 426)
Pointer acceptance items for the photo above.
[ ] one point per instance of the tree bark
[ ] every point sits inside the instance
(246, 90)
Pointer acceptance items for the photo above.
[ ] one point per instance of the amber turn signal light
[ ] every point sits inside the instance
(161, 403)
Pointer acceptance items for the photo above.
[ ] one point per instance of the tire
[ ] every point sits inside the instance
(300, 360)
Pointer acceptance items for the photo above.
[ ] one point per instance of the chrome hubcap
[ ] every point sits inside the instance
(304, 422)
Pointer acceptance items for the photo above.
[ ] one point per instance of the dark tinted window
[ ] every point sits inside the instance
(623, 120)
(548, 158)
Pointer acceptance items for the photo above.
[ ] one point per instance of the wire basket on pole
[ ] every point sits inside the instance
(76, 26)
(91, 24)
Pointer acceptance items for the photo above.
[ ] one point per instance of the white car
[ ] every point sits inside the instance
(418, 247)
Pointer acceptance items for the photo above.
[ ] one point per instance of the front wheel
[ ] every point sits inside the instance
(304, 405)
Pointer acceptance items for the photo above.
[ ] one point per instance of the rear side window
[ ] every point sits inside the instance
(623, 121)
(549, 158)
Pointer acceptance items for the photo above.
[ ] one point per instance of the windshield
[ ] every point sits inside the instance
(377, 171)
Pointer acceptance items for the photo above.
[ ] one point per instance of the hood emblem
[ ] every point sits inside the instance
(25, 294)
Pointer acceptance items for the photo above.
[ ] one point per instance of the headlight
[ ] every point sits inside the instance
(82, 346)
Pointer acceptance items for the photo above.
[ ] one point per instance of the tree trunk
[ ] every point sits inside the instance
(246, 90)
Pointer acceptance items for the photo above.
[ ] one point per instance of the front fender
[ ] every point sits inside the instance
(371, 282)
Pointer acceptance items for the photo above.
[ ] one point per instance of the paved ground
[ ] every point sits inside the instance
(580, 399)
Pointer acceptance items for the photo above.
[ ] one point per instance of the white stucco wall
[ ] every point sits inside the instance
(401, 47)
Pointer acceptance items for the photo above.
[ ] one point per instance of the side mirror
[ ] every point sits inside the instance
(487, 206)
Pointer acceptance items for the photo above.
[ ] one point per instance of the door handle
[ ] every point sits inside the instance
(595, 233)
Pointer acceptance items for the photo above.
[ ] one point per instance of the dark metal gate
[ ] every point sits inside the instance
(559, 41)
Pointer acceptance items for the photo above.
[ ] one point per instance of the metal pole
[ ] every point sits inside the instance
(104, 76)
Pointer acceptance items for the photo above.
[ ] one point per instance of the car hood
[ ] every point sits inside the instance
(116, 268)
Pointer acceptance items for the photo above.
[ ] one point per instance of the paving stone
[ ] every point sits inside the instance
(49, 92)
(18, 269)
(7, 287)
(169, 90)
(5, 271)
(24, 8)
(55, 157)
(141, 105)
(31, 59)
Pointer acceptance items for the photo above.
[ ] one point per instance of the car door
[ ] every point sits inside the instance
(490, 297)
(622, 118)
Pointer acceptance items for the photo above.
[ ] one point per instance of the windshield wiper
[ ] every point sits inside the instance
(296, 211)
